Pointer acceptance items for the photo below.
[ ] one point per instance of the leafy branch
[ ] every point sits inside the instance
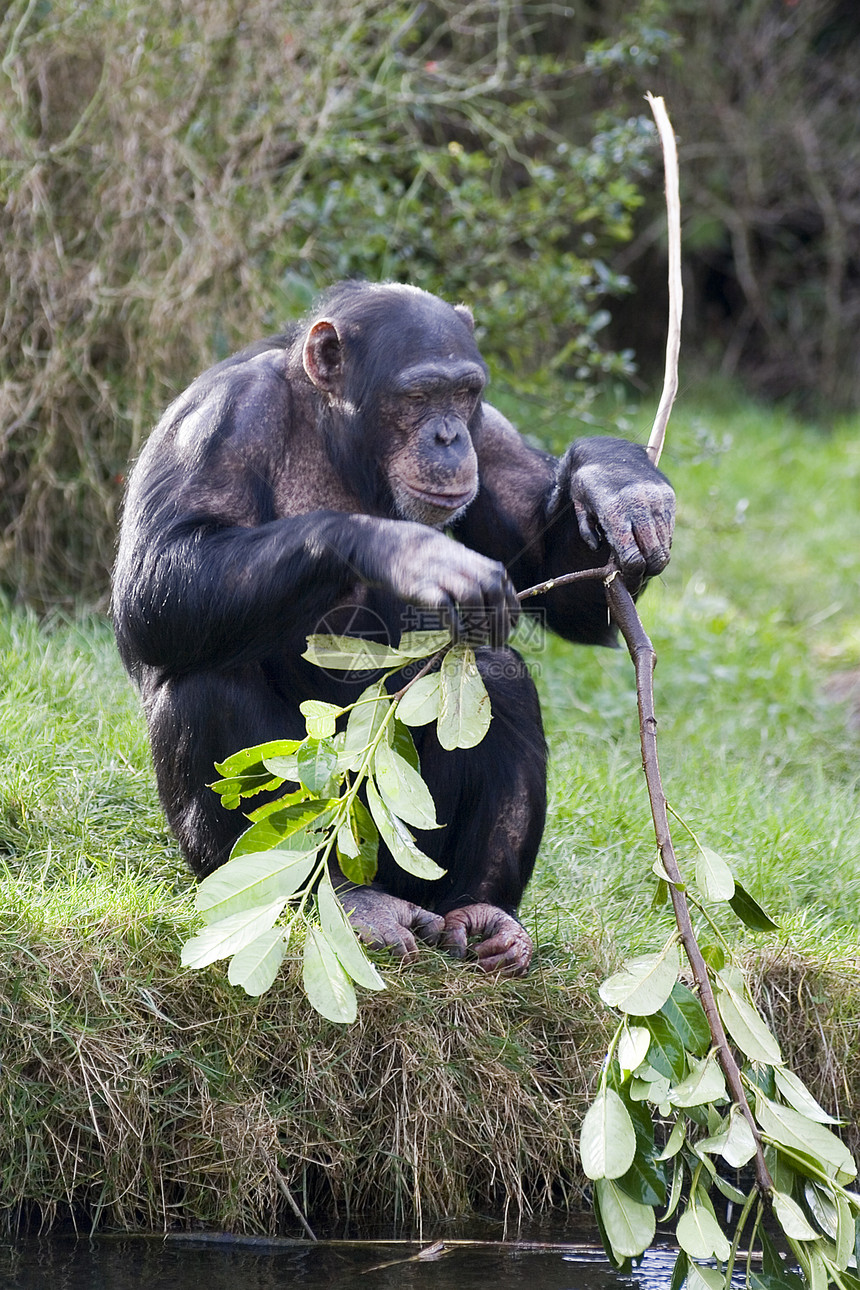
(671, 1051)
(284, 870)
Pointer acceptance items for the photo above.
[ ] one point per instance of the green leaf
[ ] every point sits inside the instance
(633, 1046)
(776, 1281)
(230, 935)
(798, 1095)
(735, 1143)
(643, 1124)
(364, 722)
(249, 761)
(403, 744)
(351, 654)
(420, 704)
(676, 1140)
(645, 1181)
(743, 1021)
(675, 1190)
(607, 1142)
(255, 967)
(320, 718)
(785, 1125)
(423, 644)
(643, 985)
(251, 881)
(297, 823)
(403, 790)
(705, 1083)
(782, 1166)
(341, 937)
(666, 1052)
(659, 869)
(327, 985)
(750, 912)
(317, 762)
(628, 1224)
(822, 1204)
(655, 1091)
(284, 767)
(700, 1278)
(464, 710)
(246, 774)
(358, 863)
(734, 1194)
(846, 1233)
(699, 1234)
(713, 875)
(299, 795)
(714, 956)
(679, 1271)
(771, 1261)
(399, 840)
(791, 1218)
(687, 1015)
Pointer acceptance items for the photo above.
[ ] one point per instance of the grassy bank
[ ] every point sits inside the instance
(138, 1095)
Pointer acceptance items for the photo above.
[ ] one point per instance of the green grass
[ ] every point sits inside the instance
(140, 1095)
(757, 609)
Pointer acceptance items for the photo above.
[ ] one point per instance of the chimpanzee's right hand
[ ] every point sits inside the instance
(424, 567)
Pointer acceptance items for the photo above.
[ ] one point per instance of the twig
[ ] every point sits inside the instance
(293, 1204)
(644, 659)
(676, 289)
(580, 576)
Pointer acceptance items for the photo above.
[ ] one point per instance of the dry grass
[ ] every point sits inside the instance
(167, 1100)
(150, 1105)
(127, 249)
(813, 1005)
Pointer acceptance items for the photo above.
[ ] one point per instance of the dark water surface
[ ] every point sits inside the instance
(149, 1263)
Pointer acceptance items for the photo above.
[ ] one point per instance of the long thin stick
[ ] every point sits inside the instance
(644, 658)
(676, 289)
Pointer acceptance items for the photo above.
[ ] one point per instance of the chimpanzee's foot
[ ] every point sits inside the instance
(503, 944)
(386, 922)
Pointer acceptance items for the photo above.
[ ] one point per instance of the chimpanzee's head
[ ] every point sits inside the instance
(401, 378)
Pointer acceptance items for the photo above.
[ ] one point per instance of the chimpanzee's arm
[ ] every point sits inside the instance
(543, 517)
(209, 574)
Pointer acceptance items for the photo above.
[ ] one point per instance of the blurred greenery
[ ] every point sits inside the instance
(757, 630)
(181, 179)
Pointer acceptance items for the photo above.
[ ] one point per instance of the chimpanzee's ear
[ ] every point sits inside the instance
(322, 357)
(466, 314)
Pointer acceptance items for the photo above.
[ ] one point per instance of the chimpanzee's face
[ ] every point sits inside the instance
(431, 463)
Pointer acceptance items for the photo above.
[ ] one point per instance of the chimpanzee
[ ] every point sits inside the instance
(346, 476)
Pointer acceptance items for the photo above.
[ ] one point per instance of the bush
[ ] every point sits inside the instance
(764, 98)
(182, 177)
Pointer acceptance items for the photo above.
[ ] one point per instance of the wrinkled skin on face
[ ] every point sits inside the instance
(432, 466)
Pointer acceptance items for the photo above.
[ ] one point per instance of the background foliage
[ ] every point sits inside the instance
(181, 179)
(764, 94)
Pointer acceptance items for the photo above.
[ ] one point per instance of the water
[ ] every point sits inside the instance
(149, 1263)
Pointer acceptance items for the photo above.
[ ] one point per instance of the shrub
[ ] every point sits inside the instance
(180, 178)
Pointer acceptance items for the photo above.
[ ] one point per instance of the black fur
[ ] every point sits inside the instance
(220, 578)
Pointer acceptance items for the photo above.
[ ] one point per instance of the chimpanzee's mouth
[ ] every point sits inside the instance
(443, 501)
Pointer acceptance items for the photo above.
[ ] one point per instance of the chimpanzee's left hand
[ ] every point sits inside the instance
(621, 498)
